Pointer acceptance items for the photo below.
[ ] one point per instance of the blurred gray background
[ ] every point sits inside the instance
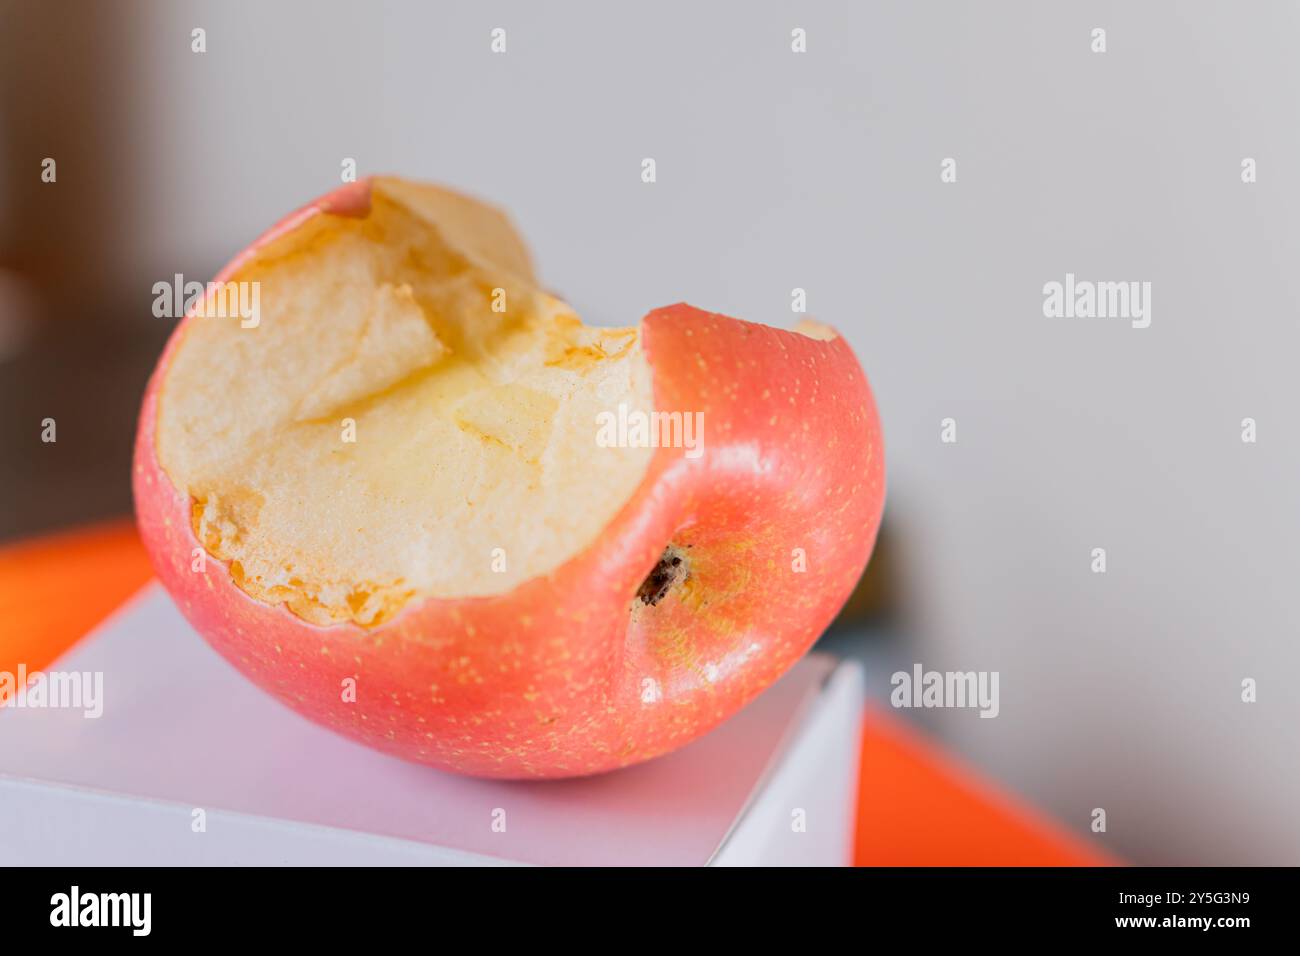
(779, 170)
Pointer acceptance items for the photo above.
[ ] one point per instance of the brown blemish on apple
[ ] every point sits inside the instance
(671, 570)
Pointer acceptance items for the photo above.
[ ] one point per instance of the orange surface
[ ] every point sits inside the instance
(56, 588)
(916, 807)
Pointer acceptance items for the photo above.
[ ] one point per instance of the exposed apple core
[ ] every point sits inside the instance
(411, 416)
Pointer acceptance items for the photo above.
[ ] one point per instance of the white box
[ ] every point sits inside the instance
(182, 731)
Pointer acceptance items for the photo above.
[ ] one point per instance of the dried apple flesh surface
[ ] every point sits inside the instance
(383, 434)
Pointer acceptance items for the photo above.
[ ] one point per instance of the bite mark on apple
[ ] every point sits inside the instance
(392, 339)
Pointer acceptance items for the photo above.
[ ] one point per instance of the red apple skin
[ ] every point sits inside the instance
(558, 677)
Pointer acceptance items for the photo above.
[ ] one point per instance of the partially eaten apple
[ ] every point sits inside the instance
(424, 505)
